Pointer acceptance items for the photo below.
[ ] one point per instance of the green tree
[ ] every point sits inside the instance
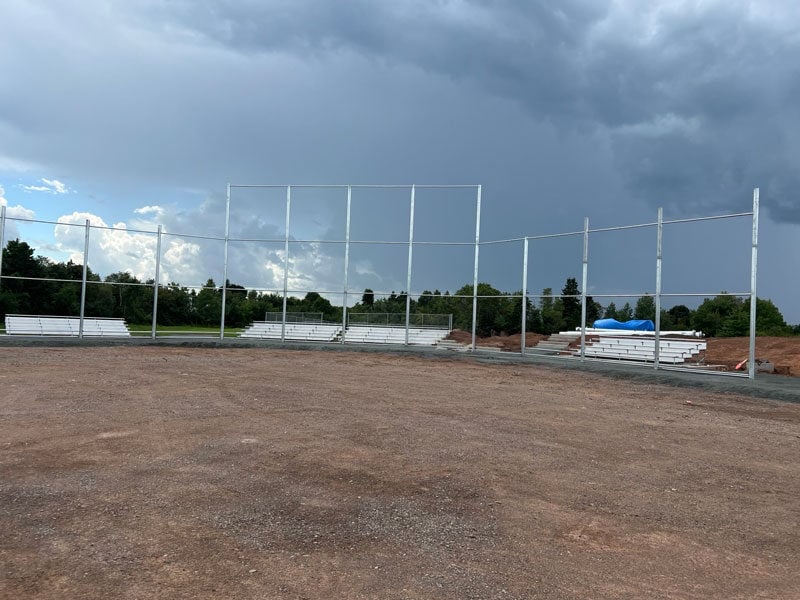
(133, 301)
(175, 305)
(769, 320)
(681, 317)
(625, 313)
(368, 298)
(551, 311)
(208, 305)
(571, 304)
(711, 315)
(533, 317)
(645, 308)
(611, 311)
(497, 312)
(593, 311)
(22, 294)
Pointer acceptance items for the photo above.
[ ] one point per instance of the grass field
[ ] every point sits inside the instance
(164, 330)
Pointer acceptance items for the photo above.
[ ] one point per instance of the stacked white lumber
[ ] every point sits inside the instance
(642, 349)
(633, 333)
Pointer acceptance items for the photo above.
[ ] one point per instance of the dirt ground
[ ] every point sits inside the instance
(781, 351)
(148, 472)
(510, 343)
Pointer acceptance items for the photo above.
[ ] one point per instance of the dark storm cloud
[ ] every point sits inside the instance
(698, 99)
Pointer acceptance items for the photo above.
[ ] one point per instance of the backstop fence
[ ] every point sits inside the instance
(347, 242)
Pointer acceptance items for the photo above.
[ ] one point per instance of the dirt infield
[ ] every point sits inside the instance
(148, 472)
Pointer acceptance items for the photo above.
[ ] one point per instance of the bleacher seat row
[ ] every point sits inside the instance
(65, 326)
(370, 334)
(328, 332)
(310, 332)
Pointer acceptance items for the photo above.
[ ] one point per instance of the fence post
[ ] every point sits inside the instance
(286, 261)
(584, 284)
(346, 262)
(751, 363)
(410, 256)
(83, 279)
(2, 239)
(657, 347)
(155, 284)
(225, 261)
(524, 294)
(475, 271)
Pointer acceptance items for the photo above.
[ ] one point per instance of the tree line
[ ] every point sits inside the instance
(37, 285)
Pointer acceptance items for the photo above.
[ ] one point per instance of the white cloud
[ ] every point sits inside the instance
(18, 211)
(113, 249)
(181, 262)
(14, 212)
(155, 210)
(51, 186)
(56, 186)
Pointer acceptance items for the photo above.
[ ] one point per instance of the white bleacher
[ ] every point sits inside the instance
(377, 334)
(309, 332)
(642, 349)
(65, 326)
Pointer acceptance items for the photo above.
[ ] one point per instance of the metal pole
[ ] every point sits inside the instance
(225, 261)
(155, 284)
(524, 294)
(83, 280)
(2, 239)
(410, 256)
(450, 322)
(751, 363)
(657, 347)
(346, 262)
(584, 284)
(475, 272)
(286, 261)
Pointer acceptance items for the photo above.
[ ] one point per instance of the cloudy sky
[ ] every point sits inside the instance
(139, 113)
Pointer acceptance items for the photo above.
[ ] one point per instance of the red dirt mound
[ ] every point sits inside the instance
(780, 351)
(510, 343)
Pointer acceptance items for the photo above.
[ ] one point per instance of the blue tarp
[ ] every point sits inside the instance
(634, 325)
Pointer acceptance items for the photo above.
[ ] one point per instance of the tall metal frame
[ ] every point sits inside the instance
(225, 261)
(286, 260)
(346, 262)
(524, 324)
(584, 284)
(475, 273)
(659, 294)
(411, 242)
(751, 363)
(83, 279)
(659, 248)
(348, 241)
(2, 239)
(410, 259)
(156, 282)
